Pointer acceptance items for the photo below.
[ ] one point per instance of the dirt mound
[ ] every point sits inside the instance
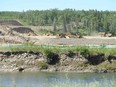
(10, 22)
(16, 30)
(24, 30)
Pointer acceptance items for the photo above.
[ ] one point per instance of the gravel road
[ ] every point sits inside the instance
(52, 40)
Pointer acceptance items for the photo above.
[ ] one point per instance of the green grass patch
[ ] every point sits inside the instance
(42, 65)
(83, 50)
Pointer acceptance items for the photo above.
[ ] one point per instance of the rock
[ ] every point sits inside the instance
(111, 58)
(20, 69)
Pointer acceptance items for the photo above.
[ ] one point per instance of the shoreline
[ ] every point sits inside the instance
(31, 70)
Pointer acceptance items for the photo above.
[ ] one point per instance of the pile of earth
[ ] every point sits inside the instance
(24, 30)
(14, 27)
(10, 22)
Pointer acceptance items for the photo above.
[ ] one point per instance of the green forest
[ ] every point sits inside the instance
(74, 21)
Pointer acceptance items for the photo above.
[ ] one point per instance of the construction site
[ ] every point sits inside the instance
(12, 32)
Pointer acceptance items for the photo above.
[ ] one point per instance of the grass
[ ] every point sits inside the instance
(83, 50)
(45, 32)
(107, 65)
(42, 65)
(92, 84)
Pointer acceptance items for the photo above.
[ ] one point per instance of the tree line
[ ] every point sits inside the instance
(74, 21)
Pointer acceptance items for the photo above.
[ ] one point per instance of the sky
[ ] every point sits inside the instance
(23, 5)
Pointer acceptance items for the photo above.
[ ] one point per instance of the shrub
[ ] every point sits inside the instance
(42, 65)
(52, 58)
(85, 52)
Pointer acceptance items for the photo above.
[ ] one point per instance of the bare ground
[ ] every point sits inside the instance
(52, 40)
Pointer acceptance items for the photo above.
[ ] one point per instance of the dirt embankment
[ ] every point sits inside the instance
(66, 62)
(10, 22)
(14, 28)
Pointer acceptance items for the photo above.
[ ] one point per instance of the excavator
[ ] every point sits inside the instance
(105, 34)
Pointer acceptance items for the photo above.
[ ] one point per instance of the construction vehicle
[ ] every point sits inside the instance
(105, 34)
(68, 35)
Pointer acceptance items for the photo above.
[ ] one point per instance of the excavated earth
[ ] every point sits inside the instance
(65, 62)
(30, 61)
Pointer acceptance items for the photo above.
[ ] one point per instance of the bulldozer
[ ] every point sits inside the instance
(61, 35)
(105, 34)
(68, 35)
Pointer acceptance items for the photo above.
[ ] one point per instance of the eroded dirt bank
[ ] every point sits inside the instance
(65, 62)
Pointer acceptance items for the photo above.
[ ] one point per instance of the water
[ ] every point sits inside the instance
(48, 46)
(45, 79)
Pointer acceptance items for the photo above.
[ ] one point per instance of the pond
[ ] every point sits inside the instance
(56, 79)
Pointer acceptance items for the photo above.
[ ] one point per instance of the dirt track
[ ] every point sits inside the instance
(52, 40)
(76, 41)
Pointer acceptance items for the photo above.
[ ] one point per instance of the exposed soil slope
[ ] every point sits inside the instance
(65, 62)
(10, 22)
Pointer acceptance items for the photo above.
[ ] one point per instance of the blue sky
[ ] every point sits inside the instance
(20, 5)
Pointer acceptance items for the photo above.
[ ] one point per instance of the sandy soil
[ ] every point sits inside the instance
(19, 38)
(52, 40)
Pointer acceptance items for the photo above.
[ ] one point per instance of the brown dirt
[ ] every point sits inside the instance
(52, 40)
(22, 34)
(10, 22)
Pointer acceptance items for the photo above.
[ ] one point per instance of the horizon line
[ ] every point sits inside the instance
(54, 9)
